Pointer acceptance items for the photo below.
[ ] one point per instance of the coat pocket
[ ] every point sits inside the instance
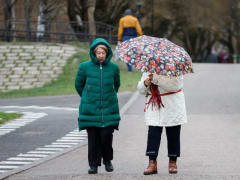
(88, 89)
(88, 93)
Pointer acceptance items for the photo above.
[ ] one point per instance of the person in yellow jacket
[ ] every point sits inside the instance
(129, 27)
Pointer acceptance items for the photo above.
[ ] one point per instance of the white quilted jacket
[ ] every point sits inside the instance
(174, 111)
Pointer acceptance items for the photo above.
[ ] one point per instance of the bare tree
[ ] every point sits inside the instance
(184, 22)
(77, 8)
(230, 24)
(110, 11)
(236, 24)
(48, 10)
(193, 29)
(77, 12)
(82, 10)
(9, 17)
(28, 6)
(105, 11)
(91, 20)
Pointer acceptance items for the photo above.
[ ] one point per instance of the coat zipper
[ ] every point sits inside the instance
(101, 94)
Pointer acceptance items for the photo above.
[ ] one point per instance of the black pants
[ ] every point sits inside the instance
(100, 145)
(154, 139)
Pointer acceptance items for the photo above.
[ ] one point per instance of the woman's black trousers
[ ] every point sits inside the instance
(100, 145)
(154, 139)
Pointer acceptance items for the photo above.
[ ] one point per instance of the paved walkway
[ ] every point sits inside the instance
(210, 140)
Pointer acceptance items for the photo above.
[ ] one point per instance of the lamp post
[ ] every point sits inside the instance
(139, 6)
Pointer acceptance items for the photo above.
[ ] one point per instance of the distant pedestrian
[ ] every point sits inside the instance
(129, 27)
(223, 57)
(170, 113)
(97, 83)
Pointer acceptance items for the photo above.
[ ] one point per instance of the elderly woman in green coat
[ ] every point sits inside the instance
(97, 83)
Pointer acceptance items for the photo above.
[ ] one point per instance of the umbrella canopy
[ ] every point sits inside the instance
(155, 55)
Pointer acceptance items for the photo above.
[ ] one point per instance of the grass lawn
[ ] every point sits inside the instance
(64, 85)
(4, 117)
(129, 80)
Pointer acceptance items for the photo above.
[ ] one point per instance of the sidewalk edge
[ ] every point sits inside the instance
(56, 155)
(41, 161)
(129, 103)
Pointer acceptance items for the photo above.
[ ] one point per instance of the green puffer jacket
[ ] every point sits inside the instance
(98, 84)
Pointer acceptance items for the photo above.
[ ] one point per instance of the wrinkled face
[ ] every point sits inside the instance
(101, 54)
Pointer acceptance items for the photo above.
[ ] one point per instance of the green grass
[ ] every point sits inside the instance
(64, 85)
(4, 117)
(129, 80)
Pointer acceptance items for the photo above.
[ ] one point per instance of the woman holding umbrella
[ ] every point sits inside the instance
(97, 83)
(163, 110)
(163, 64)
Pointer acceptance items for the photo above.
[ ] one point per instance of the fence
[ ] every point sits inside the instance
(56, 32)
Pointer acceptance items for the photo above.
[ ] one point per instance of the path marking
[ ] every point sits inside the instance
(73, 138)
(42, 152)
(27, 118)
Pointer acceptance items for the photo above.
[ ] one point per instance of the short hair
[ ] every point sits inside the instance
(101, 46)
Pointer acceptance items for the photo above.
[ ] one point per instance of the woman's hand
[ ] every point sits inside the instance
(147, 82)
(150, 76)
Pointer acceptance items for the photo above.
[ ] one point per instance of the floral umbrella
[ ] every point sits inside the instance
(155, 55)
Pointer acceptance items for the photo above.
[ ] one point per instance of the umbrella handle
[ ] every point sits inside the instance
(155, 98)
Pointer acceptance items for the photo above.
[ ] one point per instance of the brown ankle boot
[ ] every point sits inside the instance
(172, 167)
(152, 168)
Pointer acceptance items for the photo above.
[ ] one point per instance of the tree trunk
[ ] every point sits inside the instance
(40, 22)
(48, 11)
(27, 12)
(91, 21)
(7, 19)
(13, 17)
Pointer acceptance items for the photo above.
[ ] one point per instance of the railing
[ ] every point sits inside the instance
(57, 32)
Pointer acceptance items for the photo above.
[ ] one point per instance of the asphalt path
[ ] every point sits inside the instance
(210, 142)
(43, 131)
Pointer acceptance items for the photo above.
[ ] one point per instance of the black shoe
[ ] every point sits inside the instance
(93, 170)
(108, 166)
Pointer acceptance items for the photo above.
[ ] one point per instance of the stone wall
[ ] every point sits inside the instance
(30, 66)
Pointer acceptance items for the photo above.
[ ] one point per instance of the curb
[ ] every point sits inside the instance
(41, 161)
(56, 155)
(129, 103)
